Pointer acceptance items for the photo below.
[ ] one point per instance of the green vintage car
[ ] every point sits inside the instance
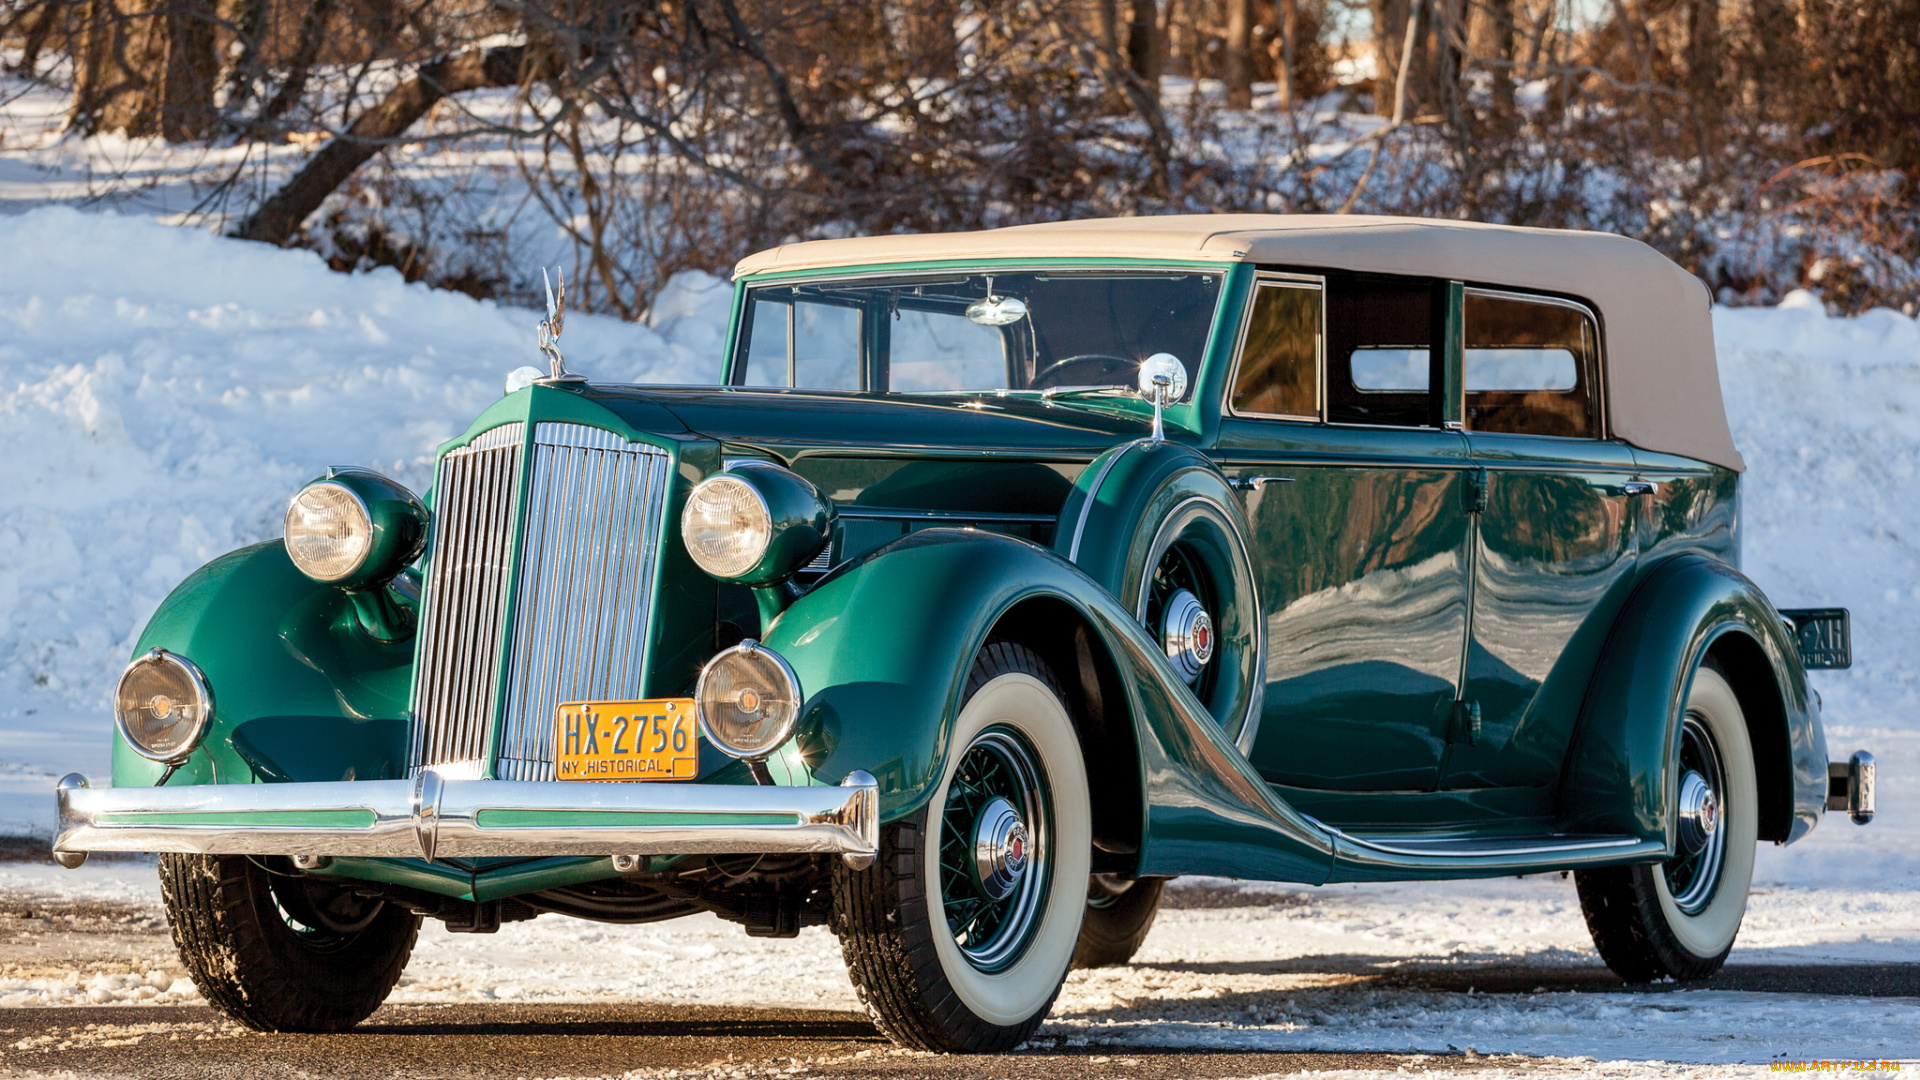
(1002, 577)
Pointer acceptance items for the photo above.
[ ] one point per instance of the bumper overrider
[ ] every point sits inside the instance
(430, 817)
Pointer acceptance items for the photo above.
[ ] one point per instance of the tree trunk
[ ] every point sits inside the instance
(1239, 54)
(280, 217)
(145, 67)
(1146, 44)
(1286, 67)
(1703, 48)
(1500, 47)
(1389, 33)
(300, 65)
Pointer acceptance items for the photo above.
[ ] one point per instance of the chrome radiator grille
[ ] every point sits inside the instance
(586, 584)
(581, 602)
(465, 600)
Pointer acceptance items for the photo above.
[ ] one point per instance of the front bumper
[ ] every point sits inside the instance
(431, 816)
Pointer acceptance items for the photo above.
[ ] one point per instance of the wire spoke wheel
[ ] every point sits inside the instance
(959, 936)
(993, 849)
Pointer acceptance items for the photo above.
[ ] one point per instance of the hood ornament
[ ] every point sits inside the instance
(549, 331)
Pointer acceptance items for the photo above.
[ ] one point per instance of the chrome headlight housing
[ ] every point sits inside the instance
(354, 528)
(749, 700)
(162, 706)
(756, 523)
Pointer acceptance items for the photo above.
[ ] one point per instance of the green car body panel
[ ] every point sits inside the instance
(1450, 535)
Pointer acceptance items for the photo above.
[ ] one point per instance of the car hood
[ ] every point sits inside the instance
(790, 423)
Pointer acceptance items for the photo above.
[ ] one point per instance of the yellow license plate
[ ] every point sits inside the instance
(626, 740)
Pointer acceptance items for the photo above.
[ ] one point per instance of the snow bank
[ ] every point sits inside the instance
(162, 390)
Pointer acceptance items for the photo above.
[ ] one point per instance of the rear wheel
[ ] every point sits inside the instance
(1678, 919)
(960, 934)
(1120, 912)
(282, 951)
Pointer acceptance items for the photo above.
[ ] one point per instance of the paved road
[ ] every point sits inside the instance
(503, 1042)
(485, 1041)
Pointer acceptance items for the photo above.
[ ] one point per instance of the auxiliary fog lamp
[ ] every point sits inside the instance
(162, 707)
(749, 700)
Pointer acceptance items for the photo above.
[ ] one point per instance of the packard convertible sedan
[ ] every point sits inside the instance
(999, 578)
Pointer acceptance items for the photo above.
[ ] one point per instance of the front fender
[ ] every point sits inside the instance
(883, 645)
(300, 691)
(1619, 776)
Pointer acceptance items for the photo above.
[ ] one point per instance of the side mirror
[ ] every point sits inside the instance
(1163, 381)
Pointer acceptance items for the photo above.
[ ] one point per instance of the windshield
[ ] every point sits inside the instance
(968, 332)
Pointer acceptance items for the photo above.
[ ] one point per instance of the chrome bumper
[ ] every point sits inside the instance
(1850, 786)
(430, 817)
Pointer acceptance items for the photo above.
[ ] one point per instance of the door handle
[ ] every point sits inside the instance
(1638, 487)
(1255, 483)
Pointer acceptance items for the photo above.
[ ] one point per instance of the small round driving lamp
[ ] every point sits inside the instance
(756, 523)
(162, 706)
(749, 700)
(354, 528)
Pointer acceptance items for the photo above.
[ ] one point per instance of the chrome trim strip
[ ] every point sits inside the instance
(994, 517)
(1433, 849)
(1093, 492)
(431, 817)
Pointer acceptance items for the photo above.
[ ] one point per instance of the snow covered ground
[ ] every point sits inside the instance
(162, 390)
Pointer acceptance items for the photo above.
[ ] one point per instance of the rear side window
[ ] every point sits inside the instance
(1531, 366)
(1279, 370)
(1379, 363)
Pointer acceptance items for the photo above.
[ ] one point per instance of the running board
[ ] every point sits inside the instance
(1403, 856)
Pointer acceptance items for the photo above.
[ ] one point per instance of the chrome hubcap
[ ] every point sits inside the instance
(999, 850)
(1699, 813)
(1186, 631)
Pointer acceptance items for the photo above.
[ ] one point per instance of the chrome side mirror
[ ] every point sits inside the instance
(1163, 381)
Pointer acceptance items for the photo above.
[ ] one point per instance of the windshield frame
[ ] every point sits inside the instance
(906, 272)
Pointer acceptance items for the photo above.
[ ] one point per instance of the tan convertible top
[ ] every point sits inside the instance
(1663, 386)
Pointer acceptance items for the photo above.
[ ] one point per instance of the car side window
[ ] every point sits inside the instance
(1530, 366)
(802, 343)
(1279, 369)
(1379, 330)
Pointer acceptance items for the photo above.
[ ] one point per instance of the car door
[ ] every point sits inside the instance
(1355, 495)
(1553, 547)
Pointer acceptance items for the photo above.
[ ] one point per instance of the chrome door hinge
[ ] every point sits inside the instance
(1477, 491)
(1465, 727)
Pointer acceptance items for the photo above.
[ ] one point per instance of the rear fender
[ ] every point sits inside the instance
(883, 644)
(300, 692)
(1619, 777)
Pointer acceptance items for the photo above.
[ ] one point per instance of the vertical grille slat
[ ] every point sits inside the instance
(460, 634)
(594, 504)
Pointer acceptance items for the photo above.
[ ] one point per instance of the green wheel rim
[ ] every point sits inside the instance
(992, 916)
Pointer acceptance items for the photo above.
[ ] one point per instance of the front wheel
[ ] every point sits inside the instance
(960, 934)
(282, 951)
(1678, 919)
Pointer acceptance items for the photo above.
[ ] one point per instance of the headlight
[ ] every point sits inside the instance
(354, 528)
(748, 700)
(162, 706)
(756, 523)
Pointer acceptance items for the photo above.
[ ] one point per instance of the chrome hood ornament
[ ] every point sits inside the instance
(549, 331)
